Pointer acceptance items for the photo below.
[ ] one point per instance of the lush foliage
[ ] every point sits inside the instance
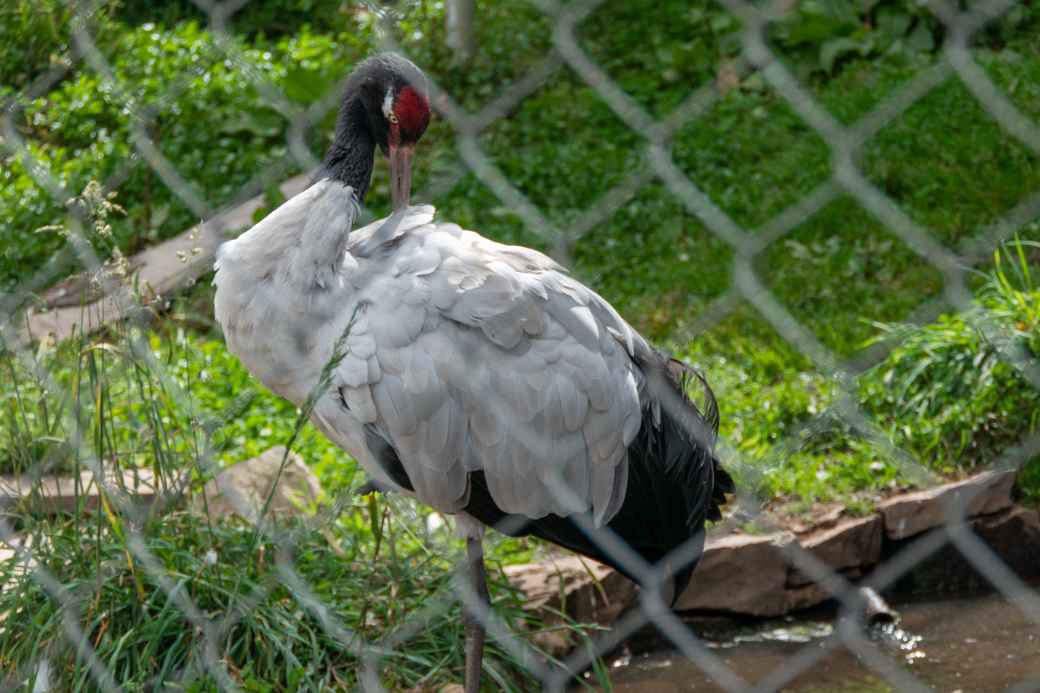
(145, 400)
(36, 37)
(207, 114)
(952, 394)
(962, 390)
(129, 588)
(819, 35)
(840, 271)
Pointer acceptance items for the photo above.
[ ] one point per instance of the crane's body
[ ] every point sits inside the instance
(465, 356)
(476, 376)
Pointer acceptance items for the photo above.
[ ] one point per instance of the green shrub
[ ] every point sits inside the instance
(206, 116)
(954, 392)
(952, 395)
(270, 18)
(819, 35)
(36, 35)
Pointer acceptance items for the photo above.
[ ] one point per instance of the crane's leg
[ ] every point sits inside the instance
(475, 606)
(475, 615)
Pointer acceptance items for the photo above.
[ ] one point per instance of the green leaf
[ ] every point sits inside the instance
(892, 22)
(843, 11)
(921, 38)
(263, 123)
(835, 49)
(722, 22)
(305, 86)
(814, 29)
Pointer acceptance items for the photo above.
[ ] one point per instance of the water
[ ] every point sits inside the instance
(968, 645)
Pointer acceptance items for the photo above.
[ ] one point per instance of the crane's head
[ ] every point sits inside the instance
(393, 92)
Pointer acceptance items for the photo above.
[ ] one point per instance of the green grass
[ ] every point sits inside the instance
(958, 392)
(920, 161)
(129, 600)
(134, 400)
(950, 395)
(203, 399)
(849, 272)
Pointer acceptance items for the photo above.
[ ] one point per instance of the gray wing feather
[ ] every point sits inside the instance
(574, 404)
(487, 357)
(360, 403)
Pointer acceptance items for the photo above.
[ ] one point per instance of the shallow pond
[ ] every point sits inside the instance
(967, 645)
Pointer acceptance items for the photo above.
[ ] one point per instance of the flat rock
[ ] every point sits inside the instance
(243, 488)
(742, 574)
(851, 544)
(820, 516)
(754, 575)
(805, 596)
(585, 590)
(913, 513)
(55, 494)
(1014, 535)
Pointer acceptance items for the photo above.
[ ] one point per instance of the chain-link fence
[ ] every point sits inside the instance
(845, 142)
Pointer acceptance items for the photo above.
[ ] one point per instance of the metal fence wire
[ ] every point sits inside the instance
(845, 143)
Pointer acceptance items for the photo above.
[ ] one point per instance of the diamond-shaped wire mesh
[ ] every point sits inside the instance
(656, 164)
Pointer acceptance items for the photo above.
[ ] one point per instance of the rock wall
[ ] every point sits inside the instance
(773, 574)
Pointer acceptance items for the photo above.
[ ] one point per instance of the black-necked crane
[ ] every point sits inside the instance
(478, 377)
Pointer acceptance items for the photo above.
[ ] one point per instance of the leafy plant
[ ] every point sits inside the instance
(820, 35)
(280, 614)
(206, 113)
(962, 390)
(36, 36)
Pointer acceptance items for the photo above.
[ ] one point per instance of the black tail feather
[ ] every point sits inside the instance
(675, 484)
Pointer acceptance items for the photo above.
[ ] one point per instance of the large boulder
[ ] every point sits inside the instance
(243, 488)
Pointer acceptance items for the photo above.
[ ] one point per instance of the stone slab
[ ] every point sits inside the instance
(54, 494)
(752, 575)
(804, 597)
(851, 544)
(1014, 535)
(740, 573)
(913, 513)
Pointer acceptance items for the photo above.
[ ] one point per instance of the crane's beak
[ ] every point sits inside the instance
(400, 175)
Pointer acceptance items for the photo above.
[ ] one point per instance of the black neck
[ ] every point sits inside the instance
(349, 157)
